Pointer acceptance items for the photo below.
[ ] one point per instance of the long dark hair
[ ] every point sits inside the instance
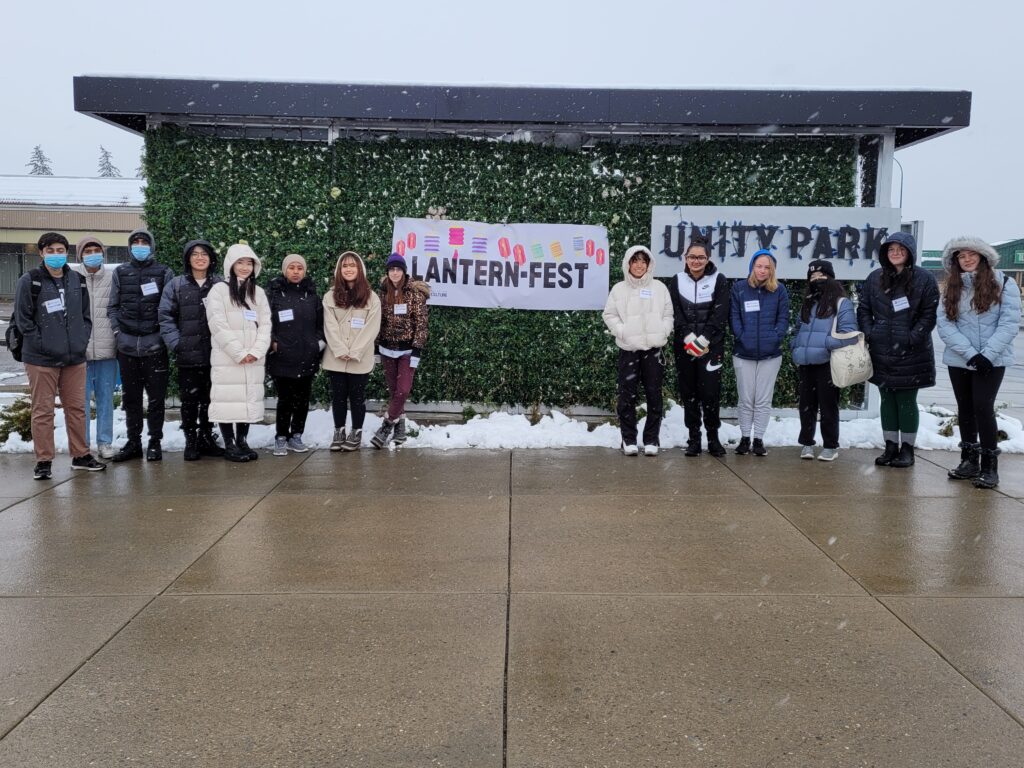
(892, 279)
(358, 294)
(826, 297)
(987, 290)
(242, 292)
(393, 294)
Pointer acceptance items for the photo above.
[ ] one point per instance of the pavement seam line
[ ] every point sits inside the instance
(508, 620)
(148, 603)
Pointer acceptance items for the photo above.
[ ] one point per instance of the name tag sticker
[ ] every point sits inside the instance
(752, 306)
(645, 293)
(285, 315)
(900, 304)
(401, 309)
(250, 314)
(705, 291)
(54, 305)
(358, 322)
(148, 289)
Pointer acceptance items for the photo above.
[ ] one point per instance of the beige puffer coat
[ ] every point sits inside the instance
(237, 391)
(347, 338)
(102, 345)
(639, 312)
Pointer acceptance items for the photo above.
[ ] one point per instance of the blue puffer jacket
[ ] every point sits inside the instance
(991, 333)
(759, 332)
(813, 341)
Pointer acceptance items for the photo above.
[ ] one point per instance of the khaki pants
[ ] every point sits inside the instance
(46, 383)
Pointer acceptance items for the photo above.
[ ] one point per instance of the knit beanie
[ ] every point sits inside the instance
(396, 260)
(292, 258)
(759, 254)
(820, 265)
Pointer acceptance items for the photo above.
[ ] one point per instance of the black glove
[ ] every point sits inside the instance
(980, 363)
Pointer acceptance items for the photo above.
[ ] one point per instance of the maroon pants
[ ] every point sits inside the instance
(398, 374)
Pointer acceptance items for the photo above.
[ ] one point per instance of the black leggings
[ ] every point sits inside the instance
(975, 395)
(292, 404)
(700, 391)
(348, 390)
(230, 431)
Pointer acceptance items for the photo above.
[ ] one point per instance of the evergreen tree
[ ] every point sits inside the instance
(107, 168)
(38, 163)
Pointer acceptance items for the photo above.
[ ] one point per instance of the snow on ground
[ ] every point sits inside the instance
(503, 430)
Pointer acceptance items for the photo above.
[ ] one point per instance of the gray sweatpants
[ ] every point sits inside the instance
(755, 385)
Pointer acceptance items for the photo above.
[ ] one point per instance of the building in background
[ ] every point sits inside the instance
(1011, 258)
(73, 206)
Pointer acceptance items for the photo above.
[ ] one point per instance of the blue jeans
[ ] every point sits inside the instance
(100, 378)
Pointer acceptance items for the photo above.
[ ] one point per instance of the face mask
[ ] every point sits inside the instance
(141, 252)
(93, 260)
(55, 260)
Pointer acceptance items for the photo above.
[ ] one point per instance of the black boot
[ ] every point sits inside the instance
(744, 447)
(243, 446)
(715, 448)
(153, 451)
(892, 448)
(380, 437)
(693, 444)
(968, 467)
(233, 453)
(988, 477)
(207, 443)
(192, 445)
(130, 450)
(905, 458)
(759, 449)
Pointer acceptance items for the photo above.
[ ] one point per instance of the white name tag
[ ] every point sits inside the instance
(285, 315)
(752, 306)
(900, 304)
(705, 291)
(401, 309)
(645, 293)
(359, 322)
(148, 289)
(54, 305)
(249, 314)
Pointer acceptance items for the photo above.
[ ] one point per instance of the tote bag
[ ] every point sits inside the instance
(850, 364)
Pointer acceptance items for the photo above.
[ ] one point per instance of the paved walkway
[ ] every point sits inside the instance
(523, 608)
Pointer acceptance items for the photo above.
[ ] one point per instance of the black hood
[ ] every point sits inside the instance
(903, 238)
(188, 250)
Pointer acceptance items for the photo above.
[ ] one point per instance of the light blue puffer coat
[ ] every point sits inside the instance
(814, 342)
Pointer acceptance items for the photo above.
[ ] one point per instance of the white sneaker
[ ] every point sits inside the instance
(629, 449)
(105, 451)
(650, 450)
(807, 452)
(828, 454)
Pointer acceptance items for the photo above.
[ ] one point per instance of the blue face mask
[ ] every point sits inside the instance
(55, 260)
(141, 252)
(93, 260)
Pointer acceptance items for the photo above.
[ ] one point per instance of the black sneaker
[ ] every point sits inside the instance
(744, 447)
(130, 450)
(42, 470)
(154, 452)
(759, 449)
(88, 463)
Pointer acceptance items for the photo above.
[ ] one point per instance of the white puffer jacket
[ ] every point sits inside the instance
(639, 312)
(237, 391)
(102, 345)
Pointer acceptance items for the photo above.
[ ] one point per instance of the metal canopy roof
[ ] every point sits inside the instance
(321, 111)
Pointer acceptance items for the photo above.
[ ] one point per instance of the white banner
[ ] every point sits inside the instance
(513, 266)
(849, 237)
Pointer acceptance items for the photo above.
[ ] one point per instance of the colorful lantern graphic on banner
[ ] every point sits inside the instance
(538, 251)
(504, 247)
(590, 248)
(400, 248)
(520, 254)
(600, 257)
(411, 240)
(456, 236)
(556, 250)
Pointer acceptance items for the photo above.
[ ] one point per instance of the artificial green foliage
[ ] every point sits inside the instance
(318, 200)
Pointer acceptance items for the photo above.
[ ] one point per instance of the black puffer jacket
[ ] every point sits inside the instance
(898, 322)
(297, 330)
(134, 305)
(701, 307)
(183, 323)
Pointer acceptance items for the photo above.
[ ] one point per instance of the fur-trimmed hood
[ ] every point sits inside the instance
(970, 243)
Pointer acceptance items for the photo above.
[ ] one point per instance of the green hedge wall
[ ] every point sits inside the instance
(318, 199)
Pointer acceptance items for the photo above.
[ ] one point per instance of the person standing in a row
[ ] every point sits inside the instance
(141, 354)
(186, 332)
(896, 312)
(700, 303)
(759, 316)
(239, 317)
(978, 318)
(296, 341)
(401, 343)
(351, 324)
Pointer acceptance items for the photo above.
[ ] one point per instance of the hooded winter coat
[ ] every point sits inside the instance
(183, 324)
(135, 302)
(56, 324)
(701, 307)
(897, 322)
(347, 338)
(237, 391)
(639, 310)
(99, 283)
(298, 328)
(989, 333)
(758, 317)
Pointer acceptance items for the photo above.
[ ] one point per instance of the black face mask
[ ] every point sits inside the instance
(815, 286)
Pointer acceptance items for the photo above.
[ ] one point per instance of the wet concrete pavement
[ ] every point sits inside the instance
(519, 608)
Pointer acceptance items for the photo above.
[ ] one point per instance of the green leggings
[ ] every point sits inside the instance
(898, 410)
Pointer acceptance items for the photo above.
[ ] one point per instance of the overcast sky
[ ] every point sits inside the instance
(971, 181)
